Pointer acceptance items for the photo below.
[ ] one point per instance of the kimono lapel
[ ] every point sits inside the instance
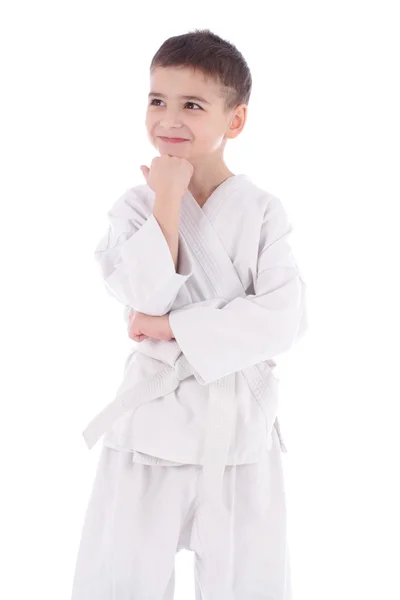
(207, 249)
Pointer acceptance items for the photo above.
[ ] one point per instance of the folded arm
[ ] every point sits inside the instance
(245, 331)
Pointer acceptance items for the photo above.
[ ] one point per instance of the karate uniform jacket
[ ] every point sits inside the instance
(236, 301)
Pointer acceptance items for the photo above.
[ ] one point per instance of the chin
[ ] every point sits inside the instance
(173, 152)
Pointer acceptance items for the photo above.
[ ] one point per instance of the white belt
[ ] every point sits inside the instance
(219, 419)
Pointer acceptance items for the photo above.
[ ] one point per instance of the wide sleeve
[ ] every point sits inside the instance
(135, 260)
(258, 327)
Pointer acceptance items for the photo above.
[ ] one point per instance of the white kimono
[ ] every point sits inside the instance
(237, 300)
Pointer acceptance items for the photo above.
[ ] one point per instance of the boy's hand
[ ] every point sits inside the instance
(168, 176)
(142, 326)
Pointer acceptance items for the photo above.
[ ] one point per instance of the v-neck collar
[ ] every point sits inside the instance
(217, 195)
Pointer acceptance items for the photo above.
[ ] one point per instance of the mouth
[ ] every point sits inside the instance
(170, 140)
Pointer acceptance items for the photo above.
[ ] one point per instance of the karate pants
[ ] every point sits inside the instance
(139, 516)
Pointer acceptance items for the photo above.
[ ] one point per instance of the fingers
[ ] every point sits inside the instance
(136, 338)
(140, 338)
(130, 333)
(145, 170)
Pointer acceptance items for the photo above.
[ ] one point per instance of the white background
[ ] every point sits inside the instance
(323, 135)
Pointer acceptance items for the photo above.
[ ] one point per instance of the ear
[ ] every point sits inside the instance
(238, 121)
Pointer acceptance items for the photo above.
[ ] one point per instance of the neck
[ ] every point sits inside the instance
(206, 179)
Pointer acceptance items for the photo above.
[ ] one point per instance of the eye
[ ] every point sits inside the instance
(194, 104)
(155, 100)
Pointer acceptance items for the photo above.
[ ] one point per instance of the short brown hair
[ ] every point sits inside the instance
(206, 52)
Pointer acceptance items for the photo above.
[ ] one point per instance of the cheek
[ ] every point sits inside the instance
(211, 128)
(150, 123)
(209, 136)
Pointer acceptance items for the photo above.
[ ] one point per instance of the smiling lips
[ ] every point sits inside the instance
(173, 140)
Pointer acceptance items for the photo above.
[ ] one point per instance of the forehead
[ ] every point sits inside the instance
(177, 81)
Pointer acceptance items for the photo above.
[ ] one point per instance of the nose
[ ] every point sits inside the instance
(170, 120)
(169, 124)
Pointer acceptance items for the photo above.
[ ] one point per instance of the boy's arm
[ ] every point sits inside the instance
(218, 341)
(167, 211)
(136, 256)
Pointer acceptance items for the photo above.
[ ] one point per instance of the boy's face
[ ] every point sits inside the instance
(204, 123)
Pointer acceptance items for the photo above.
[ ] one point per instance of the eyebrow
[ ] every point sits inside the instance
(198, 98)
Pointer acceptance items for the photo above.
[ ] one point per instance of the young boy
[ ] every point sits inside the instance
(200, 258)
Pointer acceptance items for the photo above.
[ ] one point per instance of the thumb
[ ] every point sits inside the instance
(145, 170)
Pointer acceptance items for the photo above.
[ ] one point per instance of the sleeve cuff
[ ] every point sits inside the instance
(148, 262)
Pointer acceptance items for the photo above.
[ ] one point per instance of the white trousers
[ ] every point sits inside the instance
(139, 516)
